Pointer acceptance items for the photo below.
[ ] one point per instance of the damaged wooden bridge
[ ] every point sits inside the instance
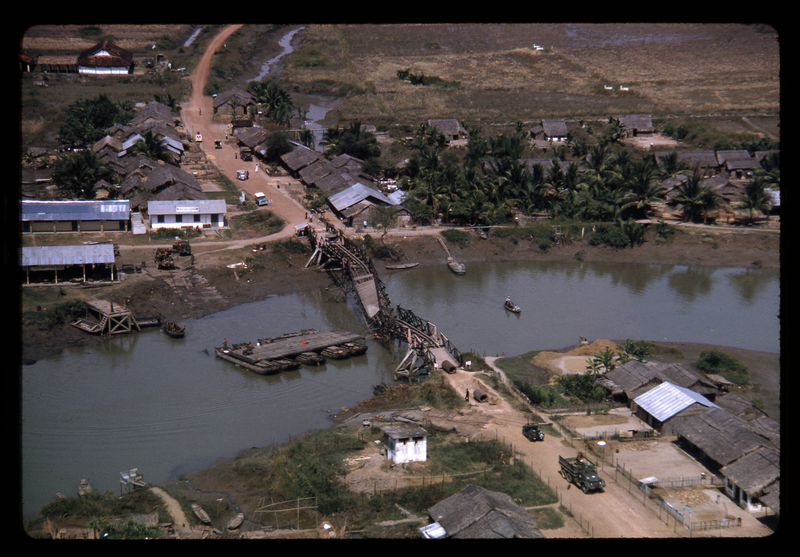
(353, 272)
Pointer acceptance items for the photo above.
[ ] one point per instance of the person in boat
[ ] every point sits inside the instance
(508, 300)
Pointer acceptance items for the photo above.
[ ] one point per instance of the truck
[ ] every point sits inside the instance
(182, 247)
(581, 472)
(261, 199)
(246, 154)
(533, 432)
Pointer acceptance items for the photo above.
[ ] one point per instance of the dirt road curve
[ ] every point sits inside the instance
(197, 115)
(180, 524)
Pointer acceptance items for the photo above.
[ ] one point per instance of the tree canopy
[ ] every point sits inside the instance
(87, 120)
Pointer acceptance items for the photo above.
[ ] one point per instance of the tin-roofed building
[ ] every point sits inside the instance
(658, 406)
(187, 213)
(43, 263)
(75, 216)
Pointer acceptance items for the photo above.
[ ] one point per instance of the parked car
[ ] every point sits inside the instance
(243, 174)
(198, 137)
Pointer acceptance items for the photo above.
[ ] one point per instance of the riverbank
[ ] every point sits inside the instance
(217, 287)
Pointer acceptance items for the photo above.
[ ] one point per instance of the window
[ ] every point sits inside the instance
(197, 218)
(160, 218)
(178, 218)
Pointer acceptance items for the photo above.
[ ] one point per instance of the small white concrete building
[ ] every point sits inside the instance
(187, 213)
(405, 443)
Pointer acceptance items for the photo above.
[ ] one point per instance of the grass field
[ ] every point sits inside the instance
(670, 70)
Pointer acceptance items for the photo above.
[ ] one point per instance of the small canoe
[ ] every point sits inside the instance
(510, 306)
(88, 326)
(236, 521)
(201, 514)
(310, 358)
(456, 267)
(402, 266)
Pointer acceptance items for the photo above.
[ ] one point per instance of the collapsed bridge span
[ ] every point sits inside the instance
(353, 272)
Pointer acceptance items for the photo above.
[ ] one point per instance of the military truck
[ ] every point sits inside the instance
(182, 248)
(246, 154)
(581, 472)
(163, 257)
(533, 432)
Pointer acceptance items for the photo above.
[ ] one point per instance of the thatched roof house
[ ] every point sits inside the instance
(475, 512)
(224, 102)
(633, 378)
(636, 124)
(299, 158)
(747, 479)
(450, 128)
(718, 437)
(554, 129)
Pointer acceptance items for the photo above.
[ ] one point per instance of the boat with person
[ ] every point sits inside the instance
(456, 267)
(174, 330)
(511, 306)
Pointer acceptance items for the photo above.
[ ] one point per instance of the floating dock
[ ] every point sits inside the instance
(290, 351)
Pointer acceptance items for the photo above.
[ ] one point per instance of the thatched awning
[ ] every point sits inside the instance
(754, 472)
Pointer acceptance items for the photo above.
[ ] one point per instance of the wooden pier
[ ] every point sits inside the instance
(309, 346)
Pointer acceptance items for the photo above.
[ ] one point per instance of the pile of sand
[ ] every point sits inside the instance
(551, 361)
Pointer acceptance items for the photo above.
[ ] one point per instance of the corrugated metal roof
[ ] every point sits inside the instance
(33, 256)
(666, 400)
(355, 194)
(171, 207)
(75, 210)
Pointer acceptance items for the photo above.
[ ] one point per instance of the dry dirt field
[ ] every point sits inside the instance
(669, 69)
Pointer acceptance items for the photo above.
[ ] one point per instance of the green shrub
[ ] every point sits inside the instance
(717, 361)
(457, 237)
(612, 236)
(542, 395)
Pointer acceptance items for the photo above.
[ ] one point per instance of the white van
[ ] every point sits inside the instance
(261, 199)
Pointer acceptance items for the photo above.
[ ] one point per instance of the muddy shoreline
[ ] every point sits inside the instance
(148, 293)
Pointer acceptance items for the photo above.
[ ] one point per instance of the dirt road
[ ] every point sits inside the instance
(180, 524)
(198, 116)
(613, 513)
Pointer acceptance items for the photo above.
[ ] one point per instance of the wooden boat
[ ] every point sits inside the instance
(88, 326)
(354, 349)
(401, 266)
(310, 358)
(236, 521)
(200, 513)
(510, 306)
(335, 353)
(456, 267)
(173, 330)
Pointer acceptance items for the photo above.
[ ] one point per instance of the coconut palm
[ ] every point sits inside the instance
(76, 173)
(755, 198)
(696, 200)
(152, 146)
(641, 189)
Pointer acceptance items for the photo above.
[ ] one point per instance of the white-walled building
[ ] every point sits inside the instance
(187, 213)
(405, 443)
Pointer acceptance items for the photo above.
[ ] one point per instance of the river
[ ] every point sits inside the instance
(168, 406)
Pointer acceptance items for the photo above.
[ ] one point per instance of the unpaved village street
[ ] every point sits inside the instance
(612, 513)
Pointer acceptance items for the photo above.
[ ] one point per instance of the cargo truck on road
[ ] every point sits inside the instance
(581, 472)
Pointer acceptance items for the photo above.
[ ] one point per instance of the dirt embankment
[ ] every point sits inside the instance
(217, 287)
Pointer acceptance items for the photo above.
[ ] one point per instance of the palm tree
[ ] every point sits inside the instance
(307, 138)
(95, 524)
(755, 198)
(152, 146)
(695, 198)
(330, 140)
(641, 189)
(76, 173)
